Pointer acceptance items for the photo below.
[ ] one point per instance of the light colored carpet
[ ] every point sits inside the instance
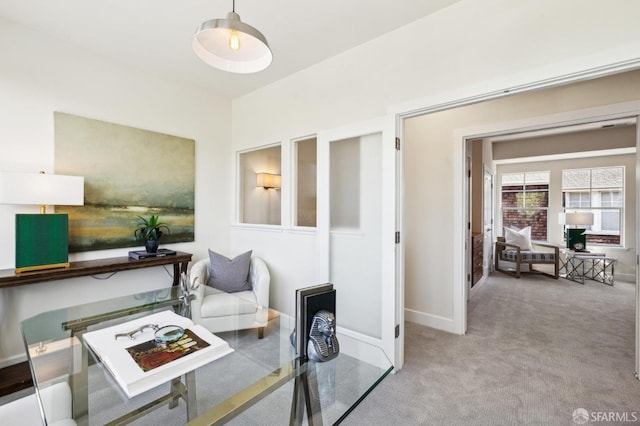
(536, 350)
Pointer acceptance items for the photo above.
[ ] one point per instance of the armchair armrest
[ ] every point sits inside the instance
(199, 274)
(260, 280)
(504, 245)
(555, 248)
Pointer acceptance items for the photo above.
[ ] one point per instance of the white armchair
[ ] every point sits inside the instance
(220, 311)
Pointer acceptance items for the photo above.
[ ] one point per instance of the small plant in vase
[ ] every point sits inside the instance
(150, 230)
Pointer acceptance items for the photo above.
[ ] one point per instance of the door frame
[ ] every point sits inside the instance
(388, 269)
(468, 185)
(584, 116)
(489, 258)
(467, 96)
(637, 363)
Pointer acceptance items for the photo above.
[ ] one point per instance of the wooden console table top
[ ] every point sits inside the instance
(180, 261)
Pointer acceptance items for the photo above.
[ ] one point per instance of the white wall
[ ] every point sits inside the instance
(355, 237)
(39, 75)
(470, 48)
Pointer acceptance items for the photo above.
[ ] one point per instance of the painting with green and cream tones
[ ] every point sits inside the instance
(128, 172)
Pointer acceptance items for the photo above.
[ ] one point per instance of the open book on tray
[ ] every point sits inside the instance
(139, 365)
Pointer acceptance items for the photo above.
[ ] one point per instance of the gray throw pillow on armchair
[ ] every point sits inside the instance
(229, 275)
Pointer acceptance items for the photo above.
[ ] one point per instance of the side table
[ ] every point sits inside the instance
(593, 266)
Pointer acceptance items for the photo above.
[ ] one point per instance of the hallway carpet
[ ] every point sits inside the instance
(536, 350)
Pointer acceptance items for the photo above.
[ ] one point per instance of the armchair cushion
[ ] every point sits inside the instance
(529, 256)
(514, 253)
(225, 304)
(521, 238)
(219, 311)
(229, 275)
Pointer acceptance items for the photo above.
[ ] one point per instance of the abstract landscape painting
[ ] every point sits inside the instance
(128, 172)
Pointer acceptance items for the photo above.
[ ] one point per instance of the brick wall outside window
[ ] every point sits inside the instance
(526, 206)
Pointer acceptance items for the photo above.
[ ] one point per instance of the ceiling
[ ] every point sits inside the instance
(155, 35)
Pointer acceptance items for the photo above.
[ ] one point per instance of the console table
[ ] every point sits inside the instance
(180, 261)
(21, 377)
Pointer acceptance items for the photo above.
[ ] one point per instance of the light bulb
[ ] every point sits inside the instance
(234, 40)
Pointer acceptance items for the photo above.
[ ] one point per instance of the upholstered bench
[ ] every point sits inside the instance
(506, 252)
(529, 256)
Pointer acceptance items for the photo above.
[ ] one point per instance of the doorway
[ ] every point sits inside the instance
(430, 136)
(480, 216)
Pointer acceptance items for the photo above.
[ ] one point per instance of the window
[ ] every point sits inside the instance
(260, 182)
(525, 202)
(306, 170)
(598, 191)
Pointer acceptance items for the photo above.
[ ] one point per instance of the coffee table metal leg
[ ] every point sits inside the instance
(190, 397)
(79, 382)
(575, 270)
(176, 390)
(603, 270)
(186, 391)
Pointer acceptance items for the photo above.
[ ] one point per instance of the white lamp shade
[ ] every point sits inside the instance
(268, 180)
(41, 189)
(211, 44)
(576, 218)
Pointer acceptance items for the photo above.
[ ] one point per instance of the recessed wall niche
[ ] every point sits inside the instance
(260, 204)
(306, 176)
(345, 184)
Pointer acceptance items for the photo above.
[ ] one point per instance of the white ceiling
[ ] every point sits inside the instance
(155, 35)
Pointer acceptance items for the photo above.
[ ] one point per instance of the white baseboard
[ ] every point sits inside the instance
(17, 359)
(428, 320)
(477, 286)
(627, 278)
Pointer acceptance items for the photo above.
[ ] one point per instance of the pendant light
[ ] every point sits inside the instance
(231, 45)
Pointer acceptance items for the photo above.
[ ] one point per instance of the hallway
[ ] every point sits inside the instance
(536, 350)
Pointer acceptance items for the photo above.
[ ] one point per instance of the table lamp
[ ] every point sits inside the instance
(576, 237)
(42, 240)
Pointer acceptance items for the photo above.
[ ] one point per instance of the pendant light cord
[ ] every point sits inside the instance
(233, 7)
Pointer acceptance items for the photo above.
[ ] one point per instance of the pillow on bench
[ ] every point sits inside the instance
(521, 238)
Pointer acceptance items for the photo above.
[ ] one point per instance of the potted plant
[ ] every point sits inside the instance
(150, 230)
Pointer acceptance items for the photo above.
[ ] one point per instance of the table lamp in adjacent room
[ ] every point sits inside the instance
(42, 240)
(576, 237)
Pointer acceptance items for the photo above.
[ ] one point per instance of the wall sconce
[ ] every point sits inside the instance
(42, 240)
(268, 181)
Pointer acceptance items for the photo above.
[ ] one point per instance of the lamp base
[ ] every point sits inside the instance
(42, 242)
(576, 239)
(42, 267)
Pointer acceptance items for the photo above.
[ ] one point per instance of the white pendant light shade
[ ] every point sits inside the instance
(231, 45)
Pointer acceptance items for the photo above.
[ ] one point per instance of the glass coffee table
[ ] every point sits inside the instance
(260, 382)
